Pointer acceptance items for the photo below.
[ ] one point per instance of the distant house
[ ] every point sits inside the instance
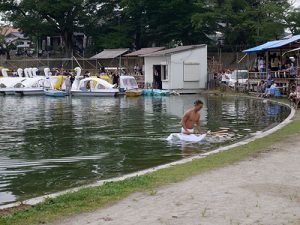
(182, 69)
(15, 36)
(15, 40)
(55, 43)
(6, 30)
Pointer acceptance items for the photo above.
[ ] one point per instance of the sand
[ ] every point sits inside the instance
(264, 190)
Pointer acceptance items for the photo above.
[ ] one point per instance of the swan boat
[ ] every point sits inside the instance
(92, 86)
(32, 85)
(7, 84)
(55, 85)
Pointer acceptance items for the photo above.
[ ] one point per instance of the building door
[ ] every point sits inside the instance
(157, 83)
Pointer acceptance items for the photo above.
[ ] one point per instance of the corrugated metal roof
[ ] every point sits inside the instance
(145, 51)
(273, 44)
(175, 50)
(110, 53)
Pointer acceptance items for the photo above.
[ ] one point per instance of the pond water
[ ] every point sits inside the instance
(48, 145)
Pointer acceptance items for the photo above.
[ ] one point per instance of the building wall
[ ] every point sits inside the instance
(175, 69)
(177, 72)
(149, 63)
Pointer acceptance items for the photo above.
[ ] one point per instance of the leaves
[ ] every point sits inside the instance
(143, 23)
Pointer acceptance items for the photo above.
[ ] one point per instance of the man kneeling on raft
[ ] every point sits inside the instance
(192, 118)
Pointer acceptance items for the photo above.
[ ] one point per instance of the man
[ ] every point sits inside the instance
(115, 79)
(157, 79)
(86, 74)
(192, 118)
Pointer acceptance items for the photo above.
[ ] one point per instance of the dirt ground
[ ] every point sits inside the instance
(259, 191)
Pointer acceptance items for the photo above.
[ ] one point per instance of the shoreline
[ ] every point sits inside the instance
(140, 174)
(262, 189)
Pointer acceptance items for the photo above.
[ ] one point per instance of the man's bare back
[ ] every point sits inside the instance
(192, 118)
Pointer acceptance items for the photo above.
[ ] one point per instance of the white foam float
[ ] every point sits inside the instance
(192, 138)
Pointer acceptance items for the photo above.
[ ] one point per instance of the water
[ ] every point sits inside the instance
(48, 145)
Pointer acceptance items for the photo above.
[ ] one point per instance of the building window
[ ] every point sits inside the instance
(164, 72)
(191, 72)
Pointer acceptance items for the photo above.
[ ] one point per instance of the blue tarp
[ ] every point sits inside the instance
(273, 44)
(286, 41)
(261, 47)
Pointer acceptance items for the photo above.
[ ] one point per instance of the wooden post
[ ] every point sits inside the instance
(267, 63)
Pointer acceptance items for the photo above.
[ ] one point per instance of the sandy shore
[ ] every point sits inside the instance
(263, 191)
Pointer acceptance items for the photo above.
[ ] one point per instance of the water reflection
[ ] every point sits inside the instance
(49, 144)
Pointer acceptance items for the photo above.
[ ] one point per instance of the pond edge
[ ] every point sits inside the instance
(258, 135)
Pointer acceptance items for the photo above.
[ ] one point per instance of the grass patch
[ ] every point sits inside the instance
(89, 199)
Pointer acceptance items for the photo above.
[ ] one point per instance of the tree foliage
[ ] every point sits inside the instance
(55, 17)
(143, 23)
(245, 22)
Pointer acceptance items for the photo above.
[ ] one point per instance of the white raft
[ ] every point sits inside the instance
(192, 138)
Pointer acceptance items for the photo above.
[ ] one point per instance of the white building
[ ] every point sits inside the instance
(182, 69)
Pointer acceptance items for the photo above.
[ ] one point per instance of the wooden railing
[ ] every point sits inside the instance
(283, 79)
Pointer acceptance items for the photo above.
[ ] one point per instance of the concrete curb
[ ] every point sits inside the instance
(35, 201)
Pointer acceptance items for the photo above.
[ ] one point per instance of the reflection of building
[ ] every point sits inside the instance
(183, 69)
(176, 106)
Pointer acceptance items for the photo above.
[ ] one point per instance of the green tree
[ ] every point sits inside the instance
(293, 21)
(55, 17)
(244, 22)
(162, 22)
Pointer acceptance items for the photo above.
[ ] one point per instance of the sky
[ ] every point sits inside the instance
(297, 2)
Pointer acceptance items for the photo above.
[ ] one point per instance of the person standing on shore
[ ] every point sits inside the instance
(192, 118)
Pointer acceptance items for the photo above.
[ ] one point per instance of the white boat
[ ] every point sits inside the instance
(30, 86)
(7, 84)
(92, 86)
(55, 93)
(55, 86)
(129, 86)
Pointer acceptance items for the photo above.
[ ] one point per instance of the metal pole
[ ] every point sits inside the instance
(97, 67)
(237, 72)
(120, 65)
(72, 61)
(120, 59)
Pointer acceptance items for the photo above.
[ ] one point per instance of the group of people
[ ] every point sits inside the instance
(138, 70)
(267, 88)
(286, 68)
(294, 92)
(223, 75)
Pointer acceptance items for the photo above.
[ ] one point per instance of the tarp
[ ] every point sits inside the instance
(273, 44)
(287, 41)
(110, 53)
(261, 47)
